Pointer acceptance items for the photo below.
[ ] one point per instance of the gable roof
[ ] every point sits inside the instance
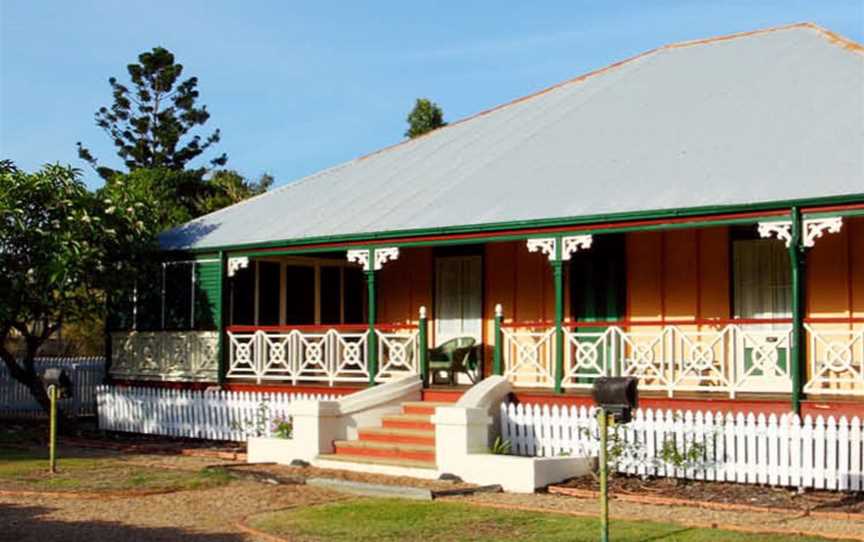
(771, 115)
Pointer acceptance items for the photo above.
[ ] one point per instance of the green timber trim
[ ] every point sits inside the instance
(371, 342)
(797, 256)
(497, 360)
(558, 277)
(423, 345)
(392, 237)
(221, 352)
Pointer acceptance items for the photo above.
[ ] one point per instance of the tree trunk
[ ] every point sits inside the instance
(25, 373)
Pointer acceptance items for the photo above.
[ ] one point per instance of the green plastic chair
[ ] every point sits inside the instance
(454, 356)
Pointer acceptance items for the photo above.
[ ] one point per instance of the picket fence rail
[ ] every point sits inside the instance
(756, 449)
(202, 414)
(86, 374)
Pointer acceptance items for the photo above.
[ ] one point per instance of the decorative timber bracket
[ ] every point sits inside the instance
(814, 228)
(234, 264)
(377, 256)
(569, 245)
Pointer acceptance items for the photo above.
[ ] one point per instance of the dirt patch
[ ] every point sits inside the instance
(209, 515)
(728, 493)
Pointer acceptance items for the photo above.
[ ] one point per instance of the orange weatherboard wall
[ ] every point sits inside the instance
(672, 275)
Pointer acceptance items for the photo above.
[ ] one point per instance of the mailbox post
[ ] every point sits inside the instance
(615, 397)
(57, 385)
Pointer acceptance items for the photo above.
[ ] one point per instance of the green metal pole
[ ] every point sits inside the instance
(602, 425)
(423, 339)
(372, 341)
(497, 366)
(558, 277)
(796, 352)
(52, 437)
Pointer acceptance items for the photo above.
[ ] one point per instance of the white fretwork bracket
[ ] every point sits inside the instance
(814, 228)
(382, 256)
(781, 229)
(546, 245)
(569, 245)
(234, 264)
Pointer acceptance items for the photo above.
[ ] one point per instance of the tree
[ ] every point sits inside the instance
(425, 117)
(228, 187)
(149, 124)
(61, 248)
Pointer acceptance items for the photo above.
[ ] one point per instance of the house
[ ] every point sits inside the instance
(692, 216)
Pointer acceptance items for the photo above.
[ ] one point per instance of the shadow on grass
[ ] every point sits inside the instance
(28, 524)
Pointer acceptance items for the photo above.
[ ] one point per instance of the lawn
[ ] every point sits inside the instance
(81, 470)
(384, 520)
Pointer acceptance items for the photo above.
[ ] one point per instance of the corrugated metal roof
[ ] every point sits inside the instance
(765, 116)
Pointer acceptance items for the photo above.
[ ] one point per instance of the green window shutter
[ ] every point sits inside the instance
(208, 295)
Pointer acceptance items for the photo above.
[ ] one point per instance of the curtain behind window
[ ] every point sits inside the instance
(762, 283)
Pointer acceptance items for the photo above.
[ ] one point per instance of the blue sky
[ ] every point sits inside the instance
(299, 86)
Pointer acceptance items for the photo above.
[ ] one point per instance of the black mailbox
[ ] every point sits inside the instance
(60, 380)
(617, 396)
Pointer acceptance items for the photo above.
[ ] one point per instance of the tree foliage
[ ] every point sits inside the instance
(151, 124)
(228, 187)
(425, 117)
(61, 248)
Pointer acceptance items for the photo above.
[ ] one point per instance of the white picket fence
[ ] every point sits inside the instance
(771, 450)
(204, 414)
(86, 374)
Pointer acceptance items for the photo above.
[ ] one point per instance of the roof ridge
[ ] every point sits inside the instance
(831, 36)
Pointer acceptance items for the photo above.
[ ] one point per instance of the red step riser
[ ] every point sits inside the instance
(390, 454)
(423, 410)
(397, 439)
(392, 424)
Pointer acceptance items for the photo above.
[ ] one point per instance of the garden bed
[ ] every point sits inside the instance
(722, 493)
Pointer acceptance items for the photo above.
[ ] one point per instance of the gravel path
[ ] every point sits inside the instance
(196, 516)
(792, 522)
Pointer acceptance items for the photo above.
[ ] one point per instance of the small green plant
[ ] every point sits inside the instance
(282, 427)
(501, 447)
(257, 425)
(691, 456)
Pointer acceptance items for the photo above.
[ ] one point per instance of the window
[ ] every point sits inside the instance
(299, 295)
(268, 293)
(354, 287)
(761, 279)
(243, 296)
(331, 295)
(178, 295)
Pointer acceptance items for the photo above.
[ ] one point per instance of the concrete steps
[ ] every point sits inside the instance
(405, 440)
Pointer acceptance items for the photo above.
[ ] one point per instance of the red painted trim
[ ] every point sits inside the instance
(838, 320)
(824, 408)
(170, 385)
(533, 231)
(351, 328)
(831, 208)
(660, 323)
(718, 404)
(287, 388)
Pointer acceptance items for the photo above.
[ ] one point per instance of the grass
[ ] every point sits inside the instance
(385, 520)
(27, 469)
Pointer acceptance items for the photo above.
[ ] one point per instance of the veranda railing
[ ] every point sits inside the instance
(727, 356)
(835, 349)
(329, 354)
